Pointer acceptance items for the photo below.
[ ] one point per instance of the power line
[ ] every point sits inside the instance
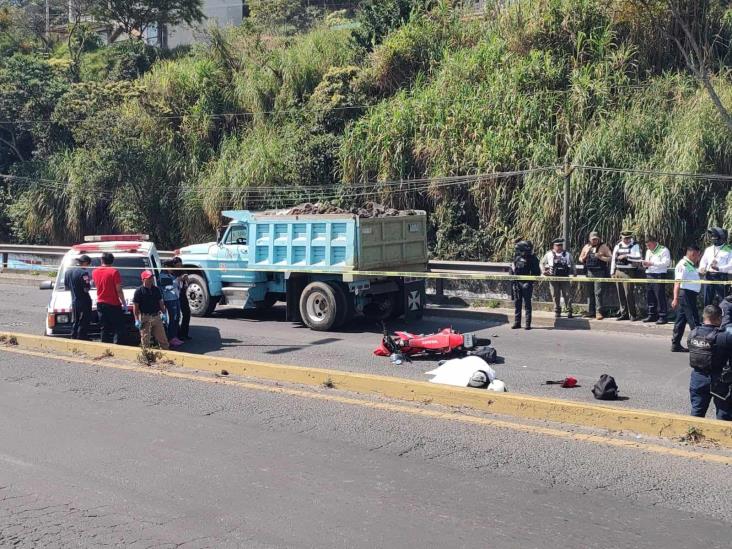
(306, 109)
(707, 177)
(400, 186)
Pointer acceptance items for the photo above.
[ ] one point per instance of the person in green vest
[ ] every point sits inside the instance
(686, 294)
(656, 263)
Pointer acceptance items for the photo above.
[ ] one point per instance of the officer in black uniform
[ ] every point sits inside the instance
(77, 280)
(524, 262)
(710, 350)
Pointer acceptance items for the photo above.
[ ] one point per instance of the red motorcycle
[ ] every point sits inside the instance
(445, 342)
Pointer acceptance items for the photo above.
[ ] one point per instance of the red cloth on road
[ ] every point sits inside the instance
(106, 280)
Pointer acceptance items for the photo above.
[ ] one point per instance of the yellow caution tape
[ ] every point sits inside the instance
(436, 275)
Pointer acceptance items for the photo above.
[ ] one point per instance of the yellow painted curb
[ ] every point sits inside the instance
(647, 422)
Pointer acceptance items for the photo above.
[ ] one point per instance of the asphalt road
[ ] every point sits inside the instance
(649, 375)
(92, 456)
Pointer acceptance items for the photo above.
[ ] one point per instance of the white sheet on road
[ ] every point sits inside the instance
(458, 371)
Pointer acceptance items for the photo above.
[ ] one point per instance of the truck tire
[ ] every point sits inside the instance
(319, 306)
(344, 304)
(201, 302)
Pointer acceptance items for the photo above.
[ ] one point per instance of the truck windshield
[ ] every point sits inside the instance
(129, 268)
(237, 235)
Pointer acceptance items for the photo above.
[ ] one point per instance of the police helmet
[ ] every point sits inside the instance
(717, 235)
(524, 247)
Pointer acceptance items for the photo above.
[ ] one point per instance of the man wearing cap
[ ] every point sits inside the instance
(657, 263)
(715, 264)
(78, 281)
(558, 262)
(148, 306)
(623, 266)
(595, 256)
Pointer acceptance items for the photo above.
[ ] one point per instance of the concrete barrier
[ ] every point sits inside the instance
(647, 422)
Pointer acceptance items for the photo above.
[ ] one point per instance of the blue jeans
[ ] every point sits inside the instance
(173, 308)
(699, 392)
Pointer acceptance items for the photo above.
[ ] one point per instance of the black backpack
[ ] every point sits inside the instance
(488, 354)
(605, 388)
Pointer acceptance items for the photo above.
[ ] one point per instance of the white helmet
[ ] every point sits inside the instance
(498, 386)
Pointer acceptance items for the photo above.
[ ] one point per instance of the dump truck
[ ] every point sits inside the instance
(313, 264)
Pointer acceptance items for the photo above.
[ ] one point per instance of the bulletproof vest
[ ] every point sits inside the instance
(623, 250)
(702, 355)
(521, 264)
(560, 264)
(593, 263)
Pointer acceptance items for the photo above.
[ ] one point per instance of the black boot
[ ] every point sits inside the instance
(677, 348)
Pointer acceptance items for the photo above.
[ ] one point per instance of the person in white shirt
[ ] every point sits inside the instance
(715, 264)
(686, 292)
(657, 263)
(623, 266)
(558, 262)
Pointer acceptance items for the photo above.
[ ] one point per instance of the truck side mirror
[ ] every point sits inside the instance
(47, 285)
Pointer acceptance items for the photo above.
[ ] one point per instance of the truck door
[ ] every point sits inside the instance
(233, 255)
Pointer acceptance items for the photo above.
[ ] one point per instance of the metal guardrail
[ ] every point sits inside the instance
(6, 250)
(437, 265)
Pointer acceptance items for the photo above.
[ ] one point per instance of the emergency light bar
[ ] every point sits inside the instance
(116, 237)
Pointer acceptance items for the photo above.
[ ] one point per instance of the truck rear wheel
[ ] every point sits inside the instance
(344, 304)
(199, 299)
(319, 306)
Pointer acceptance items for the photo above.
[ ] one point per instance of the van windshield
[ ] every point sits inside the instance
(129, 268)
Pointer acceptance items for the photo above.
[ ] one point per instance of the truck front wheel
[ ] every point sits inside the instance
(318, 306)
(201, 302)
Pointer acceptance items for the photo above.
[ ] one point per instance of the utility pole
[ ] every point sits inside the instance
(567, 174)
(48, 21)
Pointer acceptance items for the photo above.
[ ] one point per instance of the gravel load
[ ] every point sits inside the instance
(368, 210)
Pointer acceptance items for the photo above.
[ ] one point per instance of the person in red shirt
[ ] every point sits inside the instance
(111, 305)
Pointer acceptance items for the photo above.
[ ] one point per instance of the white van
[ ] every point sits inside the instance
(132, 254)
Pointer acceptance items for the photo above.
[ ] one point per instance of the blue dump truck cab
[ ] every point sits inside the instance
(312, 263)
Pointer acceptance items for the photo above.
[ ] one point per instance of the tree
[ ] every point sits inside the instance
(134, 17)
(700, 30)
(29, 91)
(283, 15)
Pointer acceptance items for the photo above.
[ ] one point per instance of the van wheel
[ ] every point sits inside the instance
(319, 306)
(344, 304)
(199, 299)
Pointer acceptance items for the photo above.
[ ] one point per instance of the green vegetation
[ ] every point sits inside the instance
(294, 106)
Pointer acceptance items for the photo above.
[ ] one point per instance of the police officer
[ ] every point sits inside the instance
(558, 262)
(710, 349)
(595, 256)
(686, 292)
(715, 264)
(77, 280)
(657, 263)
(524, 263)
(624, 265)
